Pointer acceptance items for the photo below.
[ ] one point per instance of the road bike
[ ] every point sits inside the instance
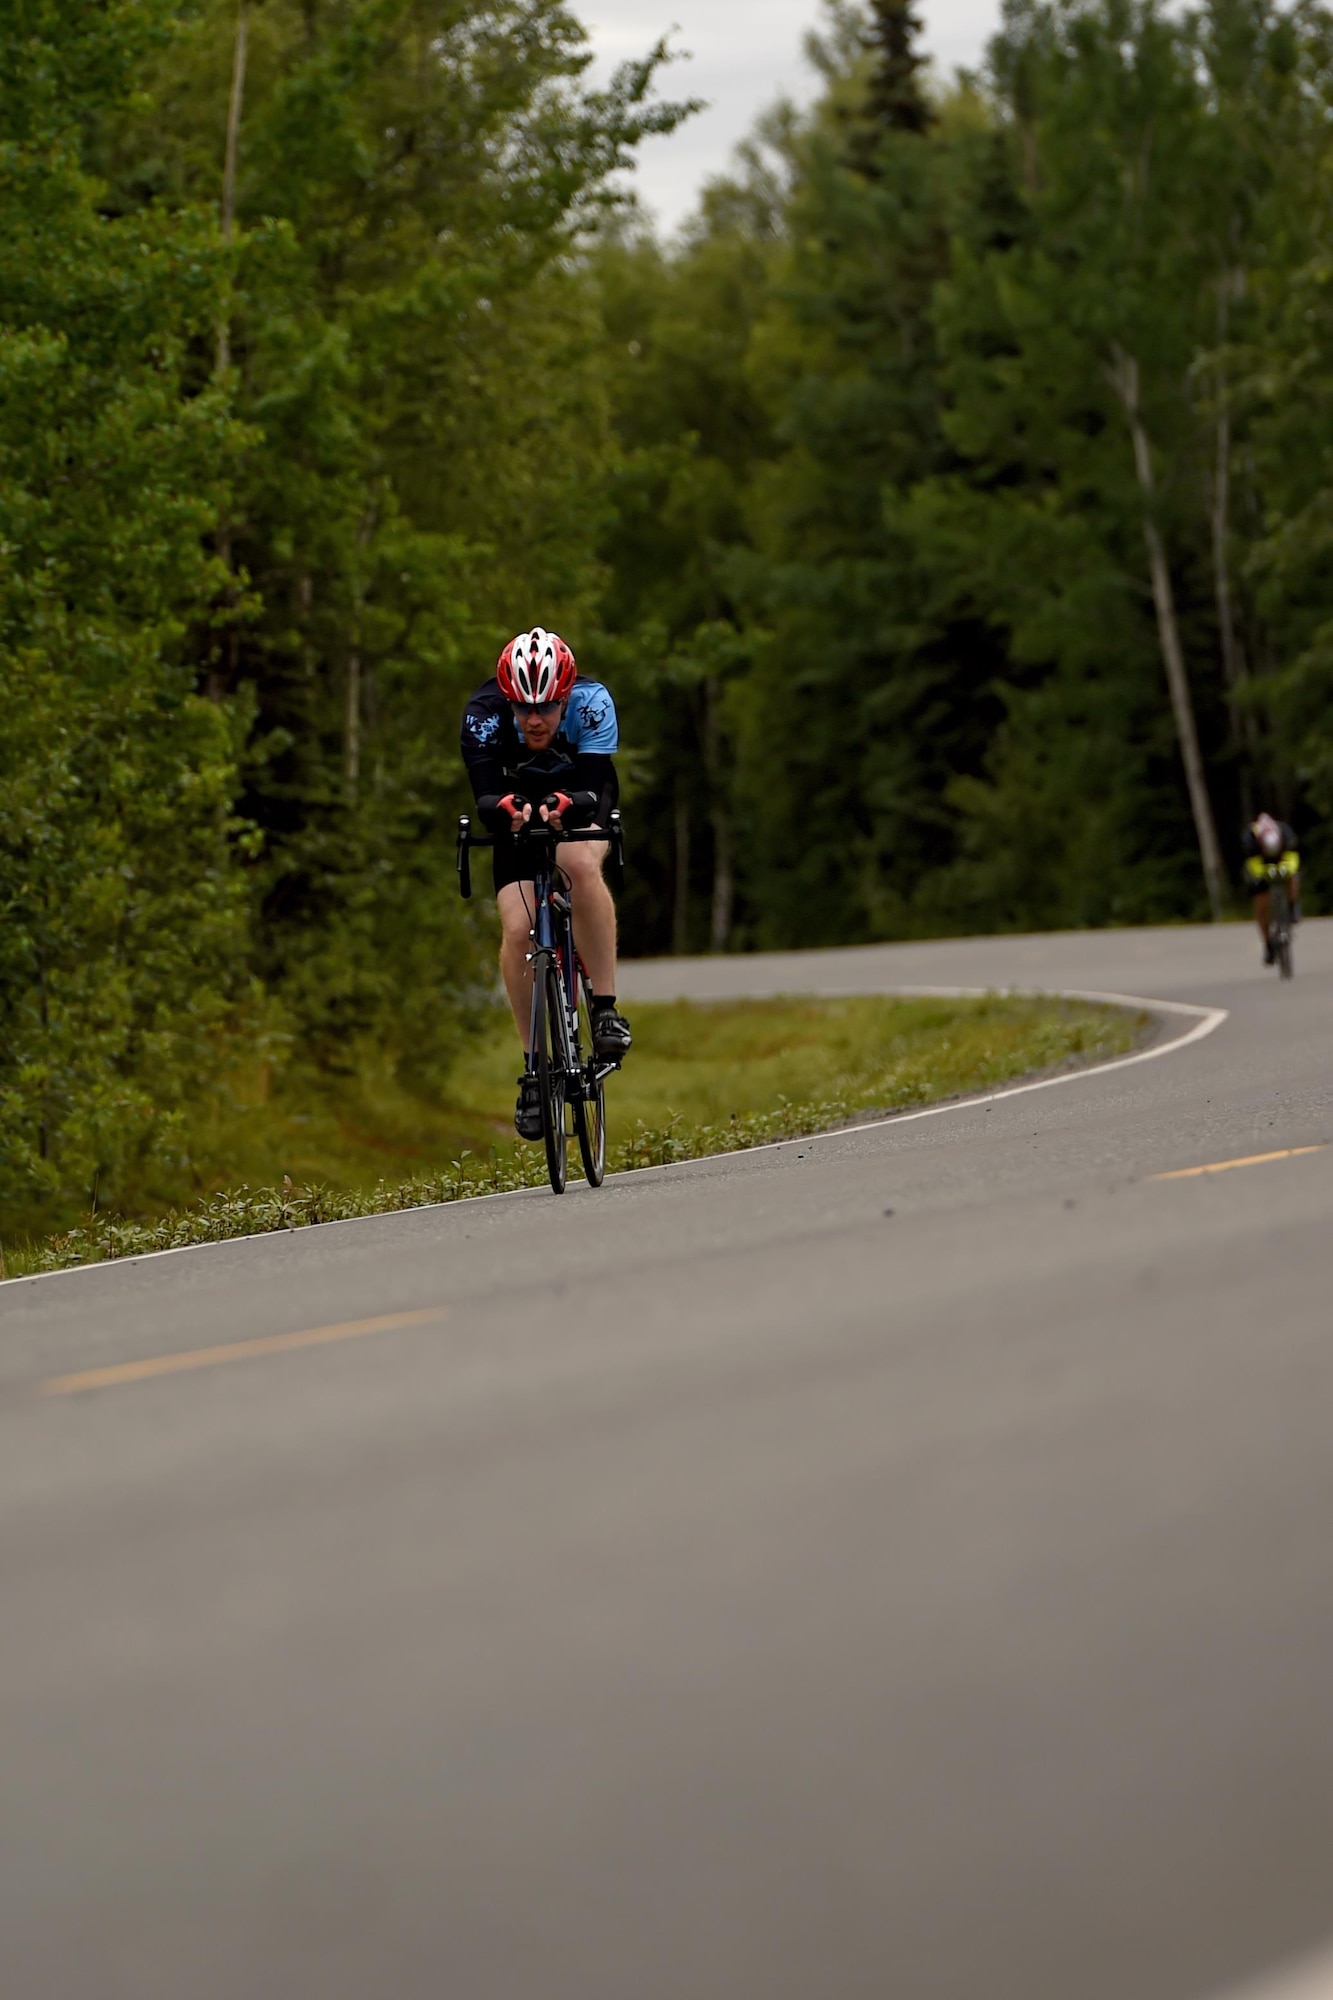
(571, 1077)
(1279, 922)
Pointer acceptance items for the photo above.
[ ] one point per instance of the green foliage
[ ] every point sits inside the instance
(271, 494)
(121, 947)
(690, 431)
(891, 497)
(862, 1057)
(1008, 343)
(412, 343)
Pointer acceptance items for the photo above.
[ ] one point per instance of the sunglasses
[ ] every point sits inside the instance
(544, 709)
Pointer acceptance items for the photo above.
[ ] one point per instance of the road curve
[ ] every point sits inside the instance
(887, 1567)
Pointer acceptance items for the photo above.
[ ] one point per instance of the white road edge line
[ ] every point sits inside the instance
(1210, 1018)
(1303, 1979)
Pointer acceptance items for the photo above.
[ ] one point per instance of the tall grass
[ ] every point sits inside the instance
(850, 1058)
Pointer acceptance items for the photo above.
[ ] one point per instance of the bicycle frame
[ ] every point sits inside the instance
(553, 935)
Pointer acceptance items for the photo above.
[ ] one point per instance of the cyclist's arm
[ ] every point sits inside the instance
(481, 739)
(489, 787)
(482, 759)
(595, 778)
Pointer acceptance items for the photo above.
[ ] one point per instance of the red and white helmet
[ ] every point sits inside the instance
(536, 667)
(1268, 834)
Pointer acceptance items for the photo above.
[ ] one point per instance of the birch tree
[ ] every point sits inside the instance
(1099, 299)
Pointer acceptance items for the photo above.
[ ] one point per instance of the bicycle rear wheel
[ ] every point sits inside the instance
(549, 1047)
(590, 1109)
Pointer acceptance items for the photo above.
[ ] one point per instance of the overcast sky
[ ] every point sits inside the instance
(745, 53)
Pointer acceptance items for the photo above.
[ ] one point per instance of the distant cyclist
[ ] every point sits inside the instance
(1268, 844)
(538, 741)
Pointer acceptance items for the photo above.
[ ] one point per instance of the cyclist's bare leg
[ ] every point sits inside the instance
(594, 911)
(1261, 914)
(515, 904)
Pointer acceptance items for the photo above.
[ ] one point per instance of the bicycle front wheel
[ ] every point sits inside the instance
(549, 1046)
(1281, 931)
(590, 1110)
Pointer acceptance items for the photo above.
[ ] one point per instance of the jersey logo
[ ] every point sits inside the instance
(483, 728)
(594, 716)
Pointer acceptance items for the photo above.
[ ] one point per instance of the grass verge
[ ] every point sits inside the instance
(702, 1080)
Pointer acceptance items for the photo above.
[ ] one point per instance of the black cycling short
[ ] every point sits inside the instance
(511, 861)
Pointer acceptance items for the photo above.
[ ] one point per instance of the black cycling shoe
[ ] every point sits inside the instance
(611, 1038)
(528, 1110)
(1269, 953)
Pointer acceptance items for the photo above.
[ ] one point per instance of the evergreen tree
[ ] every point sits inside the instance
(949, 506)
(411, 338)
(689, 431)
(895, 101)
(857, 706)
(1068, 350)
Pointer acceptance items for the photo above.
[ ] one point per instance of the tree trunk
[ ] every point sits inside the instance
(352, 690)
(305, 597)
(724, 882)
(1235, 671)
(234, 105)
(352, 726)
(1233, 663)
(724, 872)
(44, 1015)
(221, 678)
(1125, 377)
(680, 911)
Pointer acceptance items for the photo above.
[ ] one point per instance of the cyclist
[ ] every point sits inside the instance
(1269, 843)
(538, 741)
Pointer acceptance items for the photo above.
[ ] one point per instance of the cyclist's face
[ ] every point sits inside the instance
(538, 726)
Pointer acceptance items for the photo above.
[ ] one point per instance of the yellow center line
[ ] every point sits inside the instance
(1225, 1166)
(239, 1350)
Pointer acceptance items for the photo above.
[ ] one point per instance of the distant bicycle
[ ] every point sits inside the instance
(1279, 920)
(1272, 869)
(571, 1082)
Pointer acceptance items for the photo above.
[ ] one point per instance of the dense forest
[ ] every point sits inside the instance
(948, 507)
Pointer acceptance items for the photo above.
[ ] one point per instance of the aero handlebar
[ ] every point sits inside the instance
(540, 835)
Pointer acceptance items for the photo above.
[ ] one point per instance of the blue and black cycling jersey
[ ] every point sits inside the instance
(578, 760)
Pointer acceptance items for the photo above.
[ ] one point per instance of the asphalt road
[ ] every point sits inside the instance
(894, 1566)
